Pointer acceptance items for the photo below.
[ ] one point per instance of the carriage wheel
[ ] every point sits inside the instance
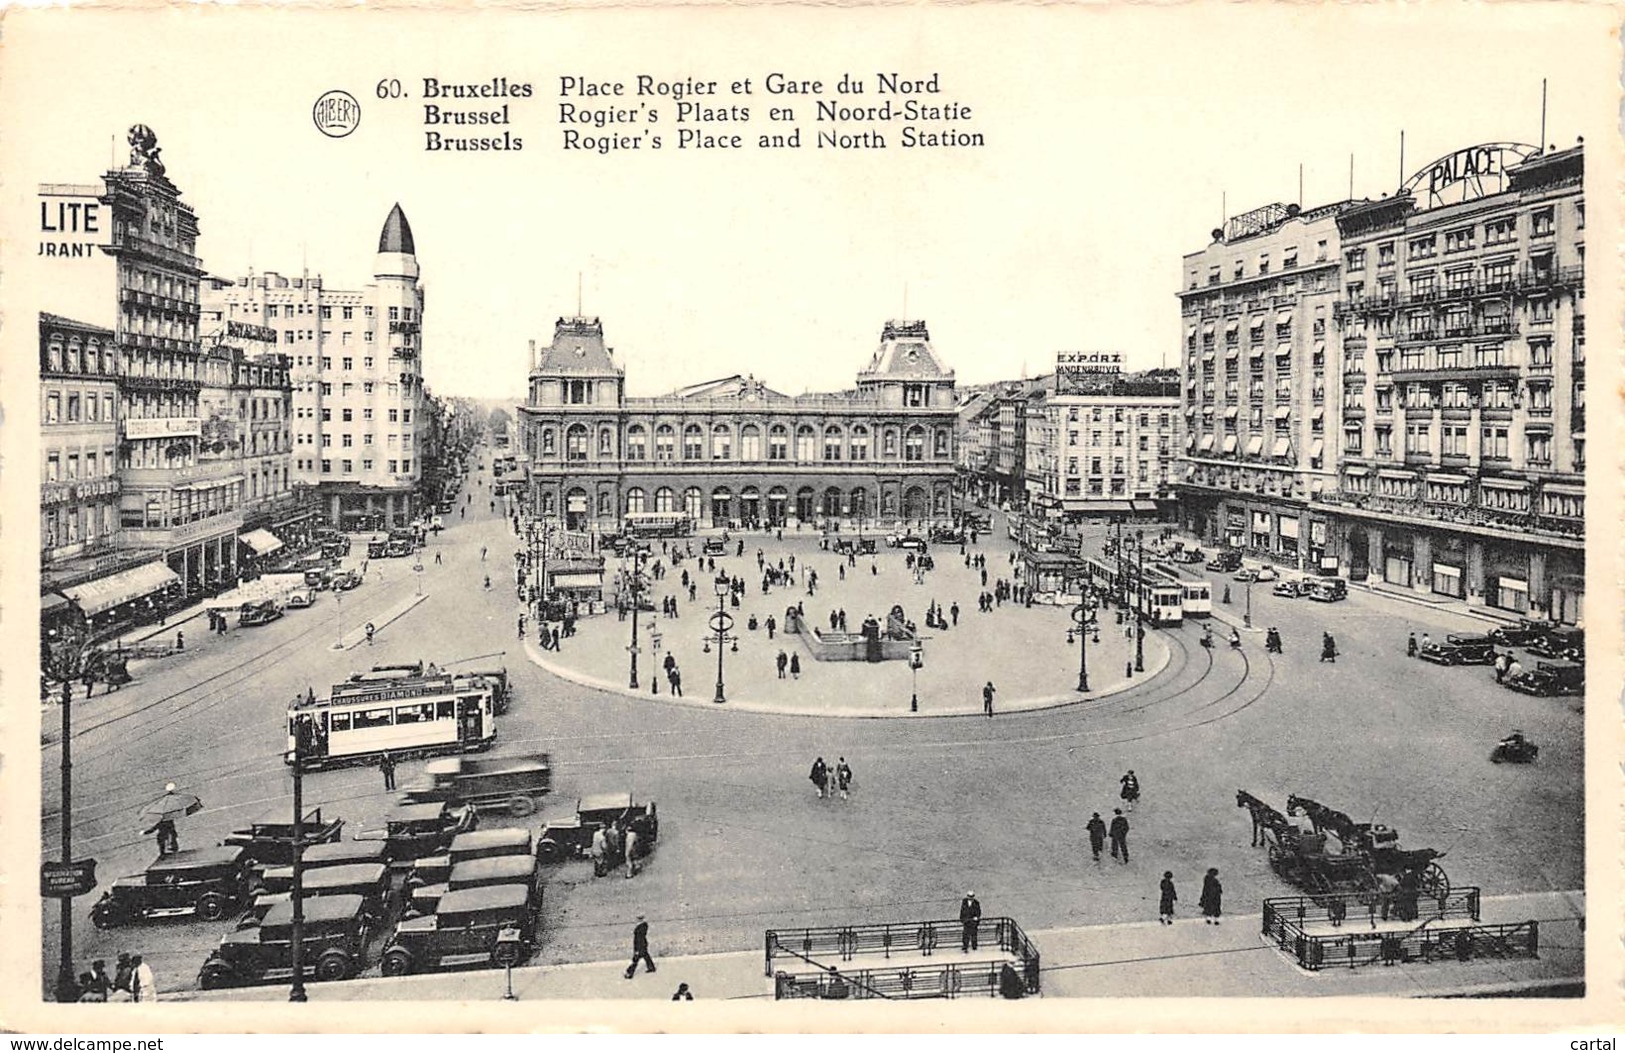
(1278, 860)
(1436, 883)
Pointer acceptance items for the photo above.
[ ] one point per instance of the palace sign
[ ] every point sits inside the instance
(1469, 173)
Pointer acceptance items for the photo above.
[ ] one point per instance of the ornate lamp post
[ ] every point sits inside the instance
(723, 586)
(1083, 617)
(64, 654)
(1139, 621)
(916, 659)
(296, 993)
(629, 570)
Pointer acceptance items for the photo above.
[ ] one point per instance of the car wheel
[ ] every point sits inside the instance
(214, 976)
(549, 852)
(520, 806)
(333, 965)
(397, 962)
(211, 906)
(107, 916)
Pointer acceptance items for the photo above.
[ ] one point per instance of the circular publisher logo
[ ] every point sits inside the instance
(336, 114)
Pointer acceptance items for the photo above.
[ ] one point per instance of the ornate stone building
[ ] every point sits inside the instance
(734, 452)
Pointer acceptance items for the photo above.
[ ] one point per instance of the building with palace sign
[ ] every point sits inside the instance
(734, 452)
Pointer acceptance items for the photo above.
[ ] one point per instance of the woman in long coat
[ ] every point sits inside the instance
(1212, 896)
(1165, 909)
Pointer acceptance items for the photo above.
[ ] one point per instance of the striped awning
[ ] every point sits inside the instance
(104, 593)
(263, 542)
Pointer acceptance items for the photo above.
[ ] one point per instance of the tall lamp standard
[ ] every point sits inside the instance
(630, 571)
(1247, 618)
(296, 993)
(1082, 620)
(65, 653)
(916, 659)
(723, 586)
(1139, 620)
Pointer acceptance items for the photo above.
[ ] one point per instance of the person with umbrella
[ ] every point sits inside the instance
(162, 813)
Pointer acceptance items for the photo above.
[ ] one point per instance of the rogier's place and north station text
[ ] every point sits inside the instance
(589, 114)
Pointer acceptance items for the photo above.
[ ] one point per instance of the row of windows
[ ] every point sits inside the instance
(293, 309)
(65, 466)
(347, 466)
(73, 407)
(837, 444)
(346, 388)
(306, 438)
(76, 356)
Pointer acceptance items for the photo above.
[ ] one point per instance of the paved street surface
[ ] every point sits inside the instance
(940, 806)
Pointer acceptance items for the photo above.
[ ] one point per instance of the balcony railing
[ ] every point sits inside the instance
(183, 533)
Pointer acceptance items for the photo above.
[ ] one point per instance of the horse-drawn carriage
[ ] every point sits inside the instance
(1368, 859)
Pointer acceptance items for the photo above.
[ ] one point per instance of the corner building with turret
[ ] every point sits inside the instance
(733, 452)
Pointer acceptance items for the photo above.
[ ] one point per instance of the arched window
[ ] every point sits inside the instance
(750, 443)
(665, 499)
(637, 439)
(53, 354)
(805, 440)
(722, 443)
(634, 501)
(575, 443)
(778, 443)
(73, 355)
(693, 443)
(665, 443)
(914, 444)
(832, 443)
(859, 445)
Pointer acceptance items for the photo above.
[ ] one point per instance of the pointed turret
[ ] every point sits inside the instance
(397, 254)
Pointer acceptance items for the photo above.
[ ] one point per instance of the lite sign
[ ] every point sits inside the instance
(1469, 173)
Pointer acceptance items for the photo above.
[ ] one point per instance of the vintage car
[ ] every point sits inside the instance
(713, 546)
(378, 548)
(1265, 573)
(1327, 590)
(1186, 555)
(268, 841)
(207, 882)
(947, 535)
(370, 881)
(973, 521)
(1561, 642)
(476, 844)
(1460, 649)
(478, 873)
(329, 854)
(1550, 678)
(1291, 587)
(863, 546)
(911, 542)
(305, 597)
(333, 942)
(336, 548)
(477, 926)
(413, 831)
(514, 783)
(571, 838)
(261, 613)
(345, 580)
(1527, 631)
(1225, 560)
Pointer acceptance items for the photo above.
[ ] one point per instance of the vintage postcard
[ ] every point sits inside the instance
(998, 517)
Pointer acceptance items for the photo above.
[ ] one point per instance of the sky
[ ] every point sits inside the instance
(1114, 140)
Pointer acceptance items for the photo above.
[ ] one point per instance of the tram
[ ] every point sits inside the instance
(659, 524)
(1198, 591)
(394, 711)
(1159, 597)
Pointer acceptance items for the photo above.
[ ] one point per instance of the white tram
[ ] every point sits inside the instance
(1198, 591)
(1159, 598)
(392, 711)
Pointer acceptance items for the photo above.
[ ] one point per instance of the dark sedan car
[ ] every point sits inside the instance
(207, 883)
(1550, 678)
(1461, 649)
(1522, 634)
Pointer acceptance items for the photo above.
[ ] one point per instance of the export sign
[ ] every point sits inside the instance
(66, 880)
(1089, 362)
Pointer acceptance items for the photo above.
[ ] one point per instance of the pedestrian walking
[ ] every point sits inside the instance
(1501, 662)
(640, 948)
(1212, 897)
(437, 559)
(953, 612)
(1131, 789)
(1165, 901)
(1328, 648)
(386, 764)
(843, 777)
(795, 666)
(819, 776)
(521, 626)
(987, 698)
(970, 918)
(631, 852)
(1119, 835)
(1426, 642)
(1097, 834)
(180, 640)
(482, 553)
(1410, 646)
(371, 630)
(781, 661)
(675, 678)
(143, 988)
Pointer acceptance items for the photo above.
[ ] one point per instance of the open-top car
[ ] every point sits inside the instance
(268, 841)
(1525, 632)
(209, 883)
(333, 941)
(412, 831)
(570, 838)
(495, 925)
(1564, 641)
(1460, 649)
(513, 783)
(1550, 678)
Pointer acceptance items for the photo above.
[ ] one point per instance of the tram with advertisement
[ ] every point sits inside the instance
(1159, 597)
(658, 524)
(1198, 591)
(393, 710)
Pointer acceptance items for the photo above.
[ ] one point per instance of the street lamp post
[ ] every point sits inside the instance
(1080, 618)
(64, 662)
(1247, 617)
(916, 659)
(723, 585)
(1139, 621)
(296, 993)
(631, 572)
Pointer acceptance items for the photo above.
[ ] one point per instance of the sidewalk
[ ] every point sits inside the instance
(1139, 959)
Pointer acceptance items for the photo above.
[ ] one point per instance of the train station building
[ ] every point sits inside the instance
(733, 452)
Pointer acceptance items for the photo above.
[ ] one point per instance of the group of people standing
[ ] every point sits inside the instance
(830, 781)
(132, 981)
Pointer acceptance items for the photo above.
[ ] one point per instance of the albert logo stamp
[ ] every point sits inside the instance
(336, 113)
